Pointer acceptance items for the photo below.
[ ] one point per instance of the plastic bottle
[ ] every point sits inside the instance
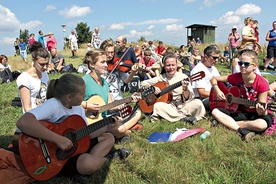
(204, 135)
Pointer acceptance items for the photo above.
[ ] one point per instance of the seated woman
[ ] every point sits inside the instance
(246, 120)
(97, 85)
(183, 106)
(4, 63)
(150, 66)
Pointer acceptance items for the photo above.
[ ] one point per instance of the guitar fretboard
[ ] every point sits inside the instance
(114, 104)
(79, 134)
(246, 102)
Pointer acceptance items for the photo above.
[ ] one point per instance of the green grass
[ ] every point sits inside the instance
(221, 158)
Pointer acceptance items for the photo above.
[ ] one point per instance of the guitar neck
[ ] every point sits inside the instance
(172, 87)
(115, 104)
(83, 132)
(246, 102)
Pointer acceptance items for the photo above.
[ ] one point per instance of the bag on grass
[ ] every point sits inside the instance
(6, 76)
(68, 69)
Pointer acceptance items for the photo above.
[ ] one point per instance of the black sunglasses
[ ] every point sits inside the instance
(215, 57)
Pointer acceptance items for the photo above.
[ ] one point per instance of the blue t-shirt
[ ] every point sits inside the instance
(272, 35)
(41, 40)
(22, 45)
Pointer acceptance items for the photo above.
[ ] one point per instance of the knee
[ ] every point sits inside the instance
(108, 137)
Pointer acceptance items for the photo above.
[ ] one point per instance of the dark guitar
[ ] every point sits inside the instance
(42, 159)
(147, 102)
(235, 98)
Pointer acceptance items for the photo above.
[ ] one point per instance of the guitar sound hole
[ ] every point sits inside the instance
(63, 155)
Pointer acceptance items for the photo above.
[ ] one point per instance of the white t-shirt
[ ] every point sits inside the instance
(73, 38)
(205, 82)
(115, 81)
(37, 87)
(54, 111)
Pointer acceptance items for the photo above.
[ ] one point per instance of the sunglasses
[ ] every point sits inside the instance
(245, 63)
(147, 54)
(215, 57)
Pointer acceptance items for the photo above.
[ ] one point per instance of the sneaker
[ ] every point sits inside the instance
(121, 153)
(246, 135)
(189, 119)
(122, 140)
(137, 126)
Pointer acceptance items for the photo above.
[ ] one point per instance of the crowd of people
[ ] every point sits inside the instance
(113, 66)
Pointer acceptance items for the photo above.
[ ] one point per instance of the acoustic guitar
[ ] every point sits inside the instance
(42, 159)
(235, 99)
(146, 103)
(94, 117)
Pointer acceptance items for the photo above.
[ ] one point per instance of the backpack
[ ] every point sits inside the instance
(83, 68)
(6, 76)
(68, 69)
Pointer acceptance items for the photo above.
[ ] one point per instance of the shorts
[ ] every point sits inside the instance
(271, 52)
(23, 54)
(70, 168)
(74, 46)
(249, 116)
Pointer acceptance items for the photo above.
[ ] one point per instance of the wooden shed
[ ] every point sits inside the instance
(206, 33)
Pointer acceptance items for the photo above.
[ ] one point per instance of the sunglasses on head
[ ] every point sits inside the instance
(245, 63)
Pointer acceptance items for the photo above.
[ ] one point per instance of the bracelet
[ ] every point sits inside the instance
(214, 85)
(85, 105)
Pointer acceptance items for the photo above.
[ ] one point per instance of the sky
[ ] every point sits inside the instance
(153, 19)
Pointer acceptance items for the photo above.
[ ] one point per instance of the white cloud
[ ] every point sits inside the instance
(116, 27)
(174, 28)
(189, 1)
(31, 25)
(227, 18)
(8, 19)
(50, 7)
(75, 11)
(210, 3)
(248, 9)
(151, 27)
(137, 34)
(7, 40)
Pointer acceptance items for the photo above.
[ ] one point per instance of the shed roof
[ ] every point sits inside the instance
(200, 25)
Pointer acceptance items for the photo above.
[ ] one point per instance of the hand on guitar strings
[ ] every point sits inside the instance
(220, 95)
(157, 90)
(261, 110)
(64, 143)
(93, 107)
(136, 97)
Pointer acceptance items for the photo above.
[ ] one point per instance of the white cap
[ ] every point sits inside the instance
(235, 27)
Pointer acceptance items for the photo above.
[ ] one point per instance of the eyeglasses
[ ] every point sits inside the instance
(43, 64)
(245, 63)
(147, 54)
(215, 57)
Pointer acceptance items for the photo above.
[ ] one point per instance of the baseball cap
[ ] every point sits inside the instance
(234, 27)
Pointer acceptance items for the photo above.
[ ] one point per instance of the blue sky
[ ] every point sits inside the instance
(153, 19)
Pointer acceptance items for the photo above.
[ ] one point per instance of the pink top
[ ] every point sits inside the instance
(149, 63)
(31, 41)
(233, 42)
(51, 43)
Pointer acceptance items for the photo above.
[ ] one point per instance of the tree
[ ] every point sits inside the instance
(83, 32)
(141, 39)
(25, 35)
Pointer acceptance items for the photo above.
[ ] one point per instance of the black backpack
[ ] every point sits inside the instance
(6, 76)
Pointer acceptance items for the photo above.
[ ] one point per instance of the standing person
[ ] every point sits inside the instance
(57, 61)
(31, 39)
(16, 47)
(96, 38)
(153, 48)
(32, 84)
(183, 106)
(73, 42)
(96, 61)
(271, 48)
(40, 38)
(247, 120)
(160, 50)
(23, 49)
(64, 98)
(233, 38)
(51, 42)
(202, 87)
(248, 34)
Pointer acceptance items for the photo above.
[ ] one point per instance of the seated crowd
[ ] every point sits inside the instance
(112, 67)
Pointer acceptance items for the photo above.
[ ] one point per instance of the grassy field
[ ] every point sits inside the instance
(221, 158)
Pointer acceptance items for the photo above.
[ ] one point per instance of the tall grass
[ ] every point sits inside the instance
(221, 158)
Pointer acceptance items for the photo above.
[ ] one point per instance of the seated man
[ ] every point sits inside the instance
(150, 66)
(57, 61)
(202, 87)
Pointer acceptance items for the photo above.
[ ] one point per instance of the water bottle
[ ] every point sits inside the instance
(204, 135)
